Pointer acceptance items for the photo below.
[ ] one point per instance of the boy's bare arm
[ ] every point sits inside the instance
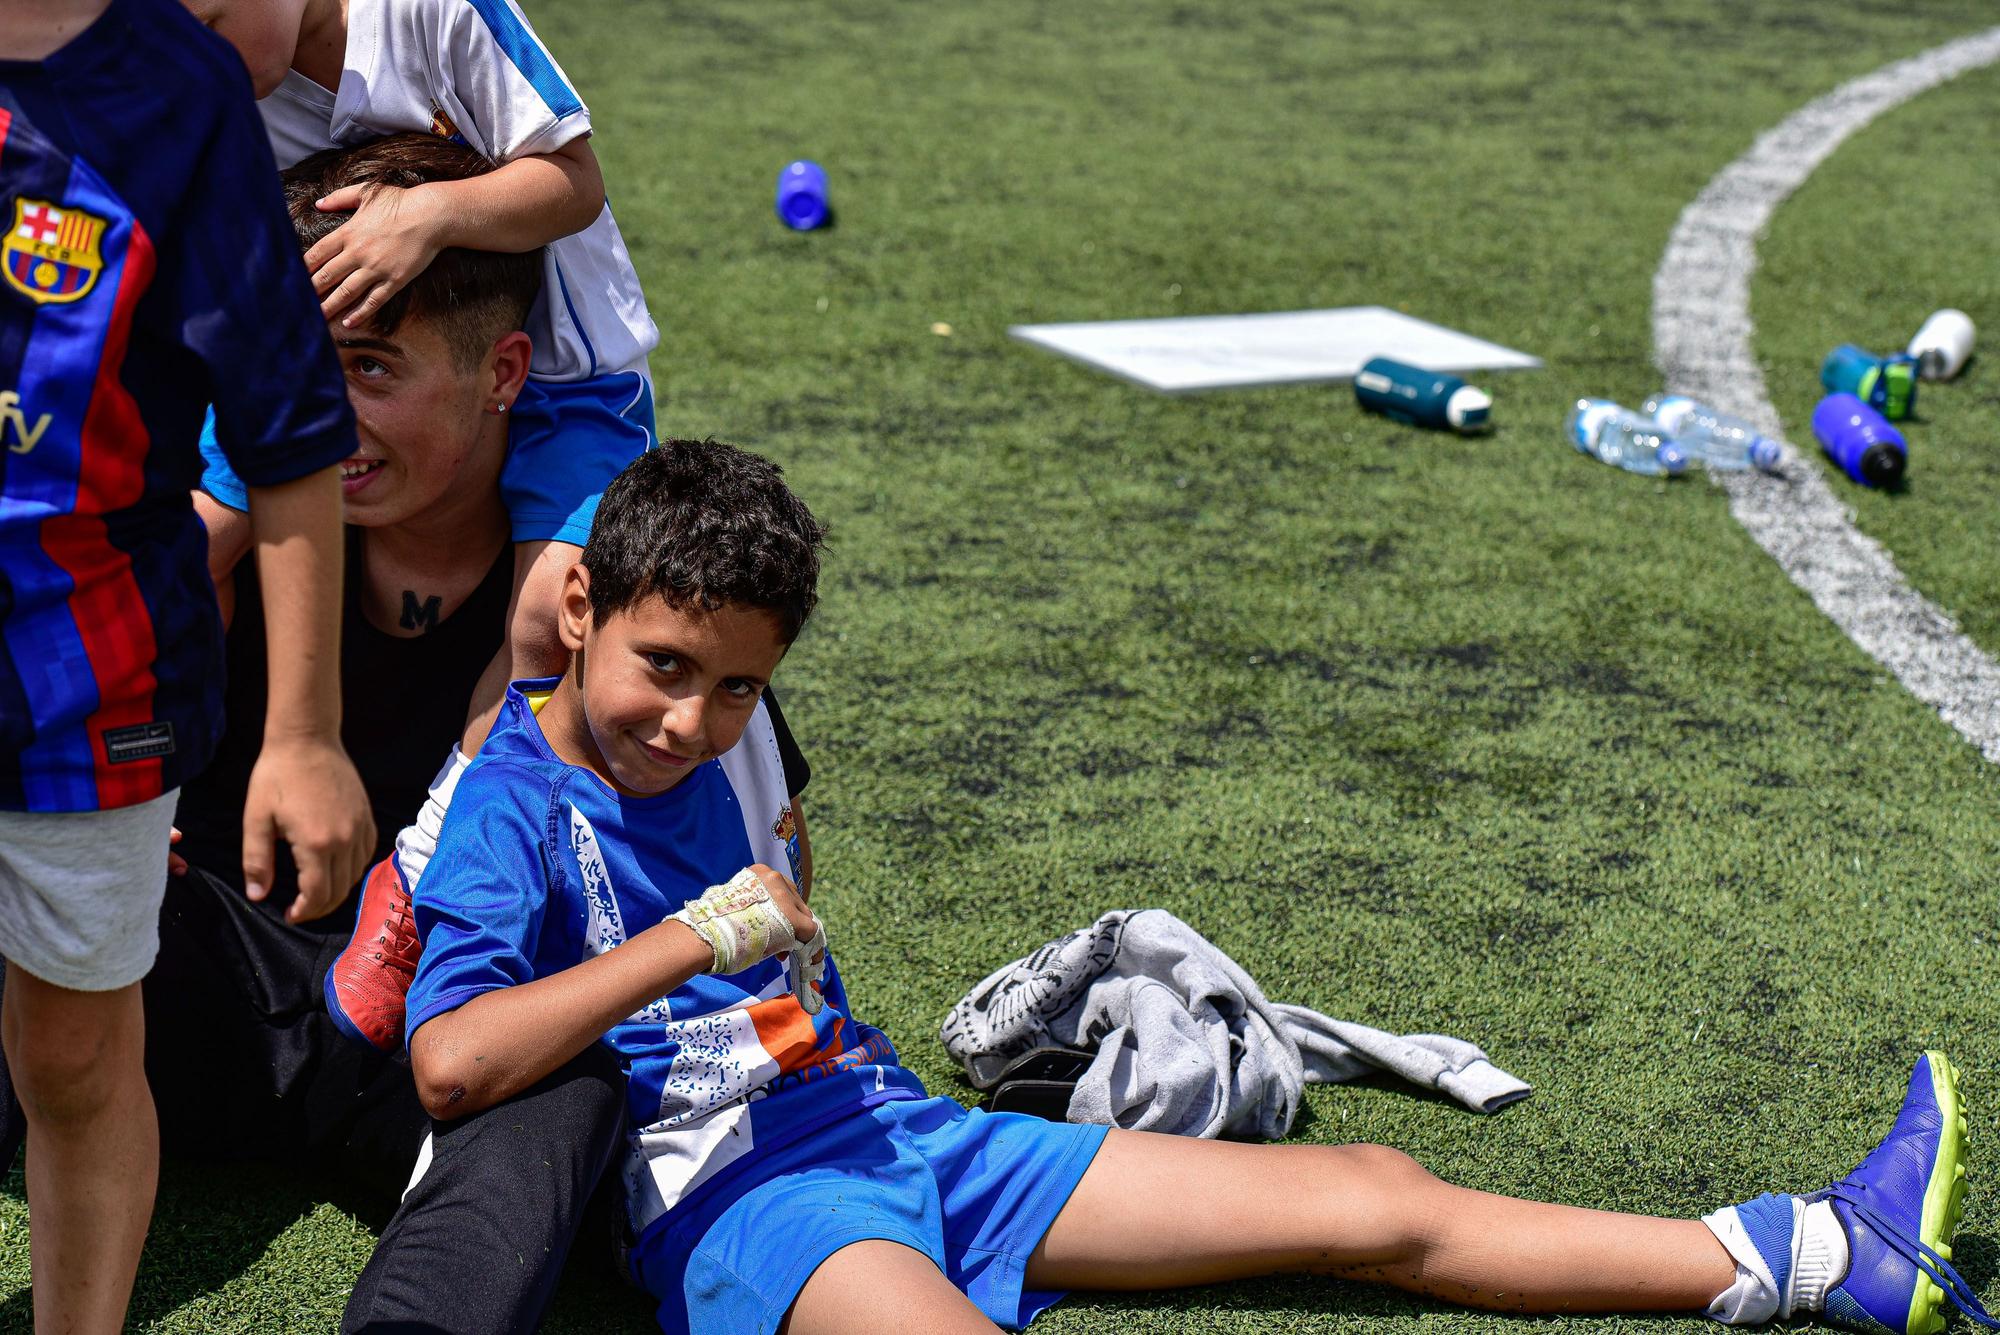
(532, 647)
(303, 787)
(396, 232)
(229, 538)
(501, 1042)
(33, 29)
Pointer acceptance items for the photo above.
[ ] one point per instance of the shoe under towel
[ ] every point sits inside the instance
(1185, 1040)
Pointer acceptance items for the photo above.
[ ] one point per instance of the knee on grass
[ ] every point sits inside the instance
(1399, 1195)
(1381, 1164)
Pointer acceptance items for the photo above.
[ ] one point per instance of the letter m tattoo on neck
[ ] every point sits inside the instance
(422, 616)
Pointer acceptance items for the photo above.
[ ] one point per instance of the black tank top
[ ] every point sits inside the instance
(403, 702)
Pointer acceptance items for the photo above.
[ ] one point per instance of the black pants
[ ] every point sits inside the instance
(245, 1064)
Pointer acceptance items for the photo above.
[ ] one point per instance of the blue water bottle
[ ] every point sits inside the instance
(801, 200)
(1422, 398)
(1860, 440)
(1887, 384)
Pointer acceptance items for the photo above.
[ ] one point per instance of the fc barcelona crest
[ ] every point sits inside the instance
(52, 253)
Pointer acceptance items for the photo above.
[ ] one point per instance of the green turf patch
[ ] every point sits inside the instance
(1473, 735)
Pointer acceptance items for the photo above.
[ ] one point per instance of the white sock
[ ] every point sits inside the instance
(1818, 1262)
(1753, 1298)
(418, 840)
(1819, 1258)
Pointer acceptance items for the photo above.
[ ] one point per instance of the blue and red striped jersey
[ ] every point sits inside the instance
(147, 269)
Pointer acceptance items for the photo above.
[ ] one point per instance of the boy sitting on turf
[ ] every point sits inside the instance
(604, 873)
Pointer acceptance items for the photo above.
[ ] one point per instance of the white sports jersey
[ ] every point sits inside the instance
(474, 71)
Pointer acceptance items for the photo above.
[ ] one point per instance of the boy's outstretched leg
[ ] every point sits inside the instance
(1157, 1211)
(886, 1288)
(1871, 1252)
(78, 1065)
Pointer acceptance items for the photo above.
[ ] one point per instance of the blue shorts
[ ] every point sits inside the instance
(567, 441)
(974, 1191)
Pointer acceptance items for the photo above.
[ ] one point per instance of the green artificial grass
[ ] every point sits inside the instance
(1903, 213)
(1468, 735)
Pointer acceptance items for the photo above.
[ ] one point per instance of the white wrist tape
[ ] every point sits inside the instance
(742, 927)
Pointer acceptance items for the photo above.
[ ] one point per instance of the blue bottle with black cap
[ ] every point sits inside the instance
(1860, 440)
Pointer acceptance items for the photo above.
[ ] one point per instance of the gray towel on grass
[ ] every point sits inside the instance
(1185, 1040)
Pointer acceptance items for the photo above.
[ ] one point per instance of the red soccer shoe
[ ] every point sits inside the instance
(367, 985)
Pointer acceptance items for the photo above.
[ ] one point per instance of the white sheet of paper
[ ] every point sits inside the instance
(1180, 355)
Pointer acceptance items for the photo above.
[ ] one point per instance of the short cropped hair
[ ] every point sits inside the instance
(704, 524)
(471, 297)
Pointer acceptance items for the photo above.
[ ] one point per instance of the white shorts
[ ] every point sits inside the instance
(80, 892)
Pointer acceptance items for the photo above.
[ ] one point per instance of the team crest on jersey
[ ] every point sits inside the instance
(786, 829)
(53, 253)
(441, 125)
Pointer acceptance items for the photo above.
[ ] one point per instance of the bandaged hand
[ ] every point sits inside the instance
(755, 915)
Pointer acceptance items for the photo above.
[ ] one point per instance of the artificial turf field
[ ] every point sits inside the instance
(1468, 735)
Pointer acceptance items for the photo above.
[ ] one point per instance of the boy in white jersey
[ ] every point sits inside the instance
(604, 873)
(333, 73)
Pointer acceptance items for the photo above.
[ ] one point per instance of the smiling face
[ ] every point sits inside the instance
(264, 32)
(429, 433)
(656, 690)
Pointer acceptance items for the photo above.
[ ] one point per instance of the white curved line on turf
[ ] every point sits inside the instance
(1701, 340)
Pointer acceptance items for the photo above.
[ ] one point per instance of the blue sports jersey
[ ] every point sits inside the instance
(149, 267)
(541, 865)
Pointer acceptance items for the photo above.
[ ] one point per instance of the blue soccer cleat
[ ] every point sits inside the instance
(1900, 1209)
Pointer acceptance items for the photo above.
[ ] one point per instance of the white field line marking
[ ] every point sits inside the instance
(1701, 341)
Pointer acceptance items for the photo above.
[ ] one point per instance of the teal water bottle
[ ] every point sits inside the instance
(1886, 384)
(1422, 398)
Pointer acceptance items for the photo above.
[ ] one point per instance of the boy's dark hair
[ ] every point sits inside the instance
(472, 297)
(704, 524)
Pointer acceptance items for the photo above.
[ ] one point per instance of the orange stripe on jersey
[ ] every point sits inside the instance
(786, 1032)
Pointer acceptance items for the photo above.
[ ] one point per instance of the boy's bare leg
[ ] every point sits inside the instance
(78, 1065)
(1157, 1211)
(884, 1288)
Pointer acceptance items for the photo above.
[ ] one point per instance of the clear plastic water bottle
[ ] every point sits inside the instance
(1711, 436)
(1620, 437)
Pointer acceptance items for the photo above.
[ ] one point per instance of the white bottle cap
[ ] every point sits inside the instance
(1671, 411)
(1584, 420)
(1943, 345)
(1468, 409)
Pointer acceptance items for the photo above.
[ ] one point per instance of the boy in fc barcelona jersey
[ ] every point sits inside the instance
(146, 267)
